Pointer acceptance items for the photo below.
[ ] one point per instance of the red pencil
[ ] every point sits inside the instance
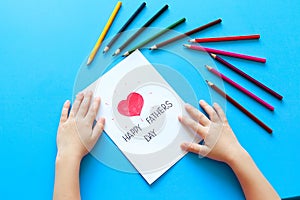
(226, 38)
(226, 53)
(239, 87)
(240, 107)
(240, 72)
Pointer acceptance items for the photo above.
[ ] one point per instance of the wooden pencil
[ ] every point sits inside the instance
(248, 77)
(129, 21)
(154, 36)
(225, 53)
(186, 34)
(104, 32)
(147, 24)
(226, 38)
(239, 87)
(240, 107)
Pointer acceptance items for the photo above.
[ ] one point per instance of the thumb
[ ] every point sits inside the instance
(199, 149)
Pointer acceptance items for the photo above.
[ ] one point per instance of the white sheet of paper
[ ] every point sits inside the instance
(141, 111)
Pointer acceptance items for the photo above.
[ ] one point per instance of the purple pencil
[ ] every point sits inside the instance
(239, 87)
(226, 53)
(243, 74)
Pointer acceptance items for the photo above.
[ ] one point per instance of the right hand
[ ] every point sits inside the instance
(220, 143)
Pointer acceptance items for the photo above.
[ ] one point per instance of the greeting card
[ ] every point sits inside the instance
(141, 111)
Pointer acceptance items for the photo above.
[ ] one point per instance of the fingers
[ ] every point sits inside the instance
(220, 112)
(65, 111)
(197, 115)
(98, 129)
(76, 104)
(198, 128)
(92, 112)
(209, 110)
(195, 148)
(84, 107)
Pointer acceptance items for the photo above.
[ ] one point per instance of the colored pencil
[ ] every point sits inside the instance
(248, 77)
(225, 53)
(133, 16)
(240, 107)
(239, 87)
(147, 24)
(104, 32)
(186, 34)
(226, 38)
(154, 36)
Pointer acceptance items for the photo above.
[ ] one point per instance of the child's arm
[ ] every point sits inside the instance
(221, 144)
(76, 136)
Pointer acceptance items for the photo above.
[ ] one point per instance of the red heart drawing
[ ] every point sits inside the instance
(132, 106)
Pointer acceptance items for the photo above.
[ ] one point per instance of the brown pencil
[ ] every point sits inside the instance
(186, 34)
(240, 107)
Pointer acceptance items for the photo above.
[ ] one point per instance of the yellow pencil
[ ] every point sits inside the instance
(103, 34)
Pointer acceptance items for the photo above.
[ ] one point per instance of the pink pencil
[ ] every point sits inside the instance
(226, 53)
(239, 87)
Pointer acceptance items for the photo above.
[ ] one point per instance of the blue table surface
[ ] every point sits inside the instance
(42, 45)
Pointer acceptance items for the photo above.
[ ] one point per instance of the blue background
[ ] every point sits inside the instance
(42, 45)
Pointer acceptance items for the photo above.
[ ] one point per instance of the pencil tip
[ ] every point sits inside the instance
(213, 55)
(117, 52)
(105, 49)
(153, 47)
(209, 83)
(89, 61)
(192, 40)
(187, 45)
(125, 54)
(208, 67)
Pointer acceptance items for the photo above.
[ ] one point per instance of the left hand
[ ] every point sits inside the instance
(76, 135)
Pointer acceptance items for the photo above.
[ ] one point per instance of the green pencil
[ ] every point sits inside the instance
(154, 37)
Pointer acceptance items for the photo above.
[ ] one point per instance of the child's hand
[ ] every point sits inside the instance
(220, 142)
(76, 135)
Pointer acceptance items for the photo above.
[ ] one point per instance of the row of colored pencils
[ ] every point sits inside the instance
(125, 26)
(214, 53)
(139, 31)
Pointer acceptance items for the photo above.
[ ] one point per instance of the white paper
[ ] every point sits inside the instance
(141, 112)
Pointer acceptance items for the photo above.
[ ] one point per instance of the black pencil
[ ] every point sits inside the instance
(133, 16)
(243, 74)
(147, 24)
(240, 107)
